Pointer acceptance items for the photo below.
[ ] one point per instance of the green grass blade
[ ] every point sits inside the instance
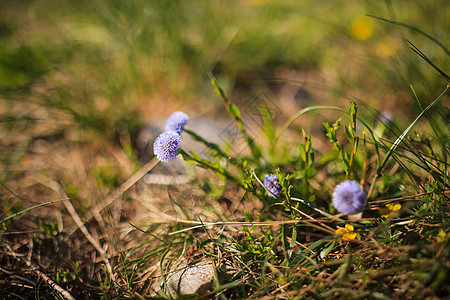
(402, 136)
(319, 107)
(434, 40)
(425, 58)
(31, 208)
(214, 147)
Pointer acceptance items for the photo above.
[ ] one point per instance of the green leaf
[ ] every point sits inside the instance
(234, 111)
(308, 173)
(349, 133)
(327, 250)
(308, 144)
(353, 109)
(337, 124)
(302, 152)
(294, 237)
(268, 125)
(216, 149)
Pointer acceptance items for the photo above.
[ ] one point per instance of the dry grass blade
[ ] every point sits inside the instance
(73, 213)
(237, 223)
(65, 294)
(125, 186)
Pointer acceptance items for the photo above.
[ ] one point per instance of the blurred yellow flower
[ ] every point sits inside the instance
(255, 2)
(440, 238)
(361, 29)
(388, 209)
(387, 47)
(346, 233)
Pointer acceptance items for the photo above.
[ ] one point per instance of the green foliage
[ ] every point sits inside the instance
(106, 176)
(49, 229)
(68, 276)
(346, 156)
(257, 247)
(307, 168)
(338, 147)
(388, 229)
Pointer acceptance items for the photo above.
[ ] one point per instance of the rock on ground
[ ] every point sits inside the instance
(197, 279)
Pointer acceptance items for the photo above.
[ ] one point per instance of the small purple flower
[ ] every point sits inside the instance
(386, 117)
(272, 184)
(349, 198)
(176, 122)
(166, 145)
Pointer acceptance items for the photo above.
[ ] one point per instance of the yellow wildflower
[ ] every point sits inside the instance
(390, 208)
(387, 47)
(256, 2)
(346, 233)
(361, 29)
(393, 206)
(440, 238)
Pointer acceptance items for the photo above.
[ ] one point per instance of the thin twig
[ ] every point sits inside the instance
(125, 186)
(73, 213)
(403, 198)
(324, 227)
(87, 234)
(65, 294)
(237, 223)
(30, 208)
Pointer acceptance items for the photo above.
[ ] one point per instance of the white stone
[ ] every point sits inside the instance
(196, 279)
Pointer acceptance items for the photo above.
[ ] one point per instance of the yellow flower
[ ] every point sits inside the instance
(390, 208)
(393, 206)
(346, 233)
(387, 47)
(256, 2)
(361, 29)
(440, 238)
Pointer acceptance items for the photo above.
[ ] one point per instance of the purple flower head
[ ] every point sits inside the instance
(272, 184)
(166, 145)
(176, 122)
(386, 117)
(349, 198)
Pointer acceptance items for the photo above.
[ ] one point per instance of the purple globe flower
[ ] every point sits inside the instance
(166, 145)
(176, 122)
(349, 198)
(272, 184)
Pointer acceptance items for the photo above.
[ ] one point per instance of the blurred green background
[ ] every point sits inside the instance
(107, 66)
